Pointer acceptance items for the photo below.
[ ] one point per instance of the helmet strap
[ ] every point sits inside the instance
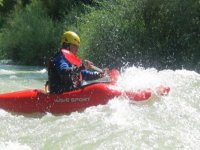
(66, 45)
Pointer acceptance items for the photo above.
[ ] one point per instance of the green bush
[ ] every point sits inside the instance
(112, 35)
(31, 35)
(57, 9)
(158, 33)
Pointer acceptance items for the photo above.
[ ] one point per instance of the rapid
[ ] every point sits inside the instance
(169, 122)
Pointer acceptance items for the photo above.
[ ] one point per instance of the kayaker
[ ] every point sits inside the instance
(66, 70)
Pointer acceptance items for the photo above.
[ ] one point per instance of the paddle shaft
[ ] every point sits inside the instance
(96, 68)
(87, 62)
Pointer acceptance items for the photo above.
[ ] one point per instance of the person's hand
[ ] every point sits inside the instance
(104, 73)
(87, 64)
(77, 80)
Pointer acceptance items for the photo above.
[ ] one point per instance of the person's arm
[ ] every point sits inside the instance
(64, 67)
(90, 75)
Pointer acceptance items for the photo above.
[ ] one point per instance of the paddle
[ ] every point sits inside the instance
(73, 59)
(96, 68)
(163, 90)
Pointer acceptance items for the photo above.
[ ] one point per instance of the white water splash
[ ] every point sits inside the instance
(13, 146)
(6, 72)
(139, 78)
(42, 71)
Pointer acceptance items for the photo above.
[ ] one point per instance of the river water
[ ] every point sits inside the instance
(169, 122)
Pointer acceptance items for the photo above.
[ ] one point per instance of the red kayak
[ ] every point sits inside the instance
(35, 100)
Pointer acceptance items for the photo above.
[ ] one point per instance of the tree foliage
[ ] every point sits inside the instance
(30, 35)
(151, 33)
(155, 33)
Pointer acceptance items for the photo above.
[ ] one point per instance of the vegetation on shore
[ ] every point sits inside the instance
(150, 33)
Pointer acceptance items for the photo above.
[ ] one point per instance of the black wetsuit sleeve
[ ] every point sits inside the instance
(72, 70)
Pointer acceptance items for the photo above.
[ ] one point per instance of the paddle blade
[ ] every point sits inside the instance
(162, 90)
(73, 59)
(139, 95)
(114, 74)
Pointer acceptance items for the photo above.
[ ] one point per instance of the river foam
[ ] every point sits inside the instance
(169, 122)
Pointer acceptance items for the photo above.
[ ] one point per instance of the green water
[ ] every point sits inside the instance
(170, 122)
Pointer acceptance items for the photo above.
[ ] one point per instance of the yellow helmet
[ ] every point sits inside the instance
(71, 38)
